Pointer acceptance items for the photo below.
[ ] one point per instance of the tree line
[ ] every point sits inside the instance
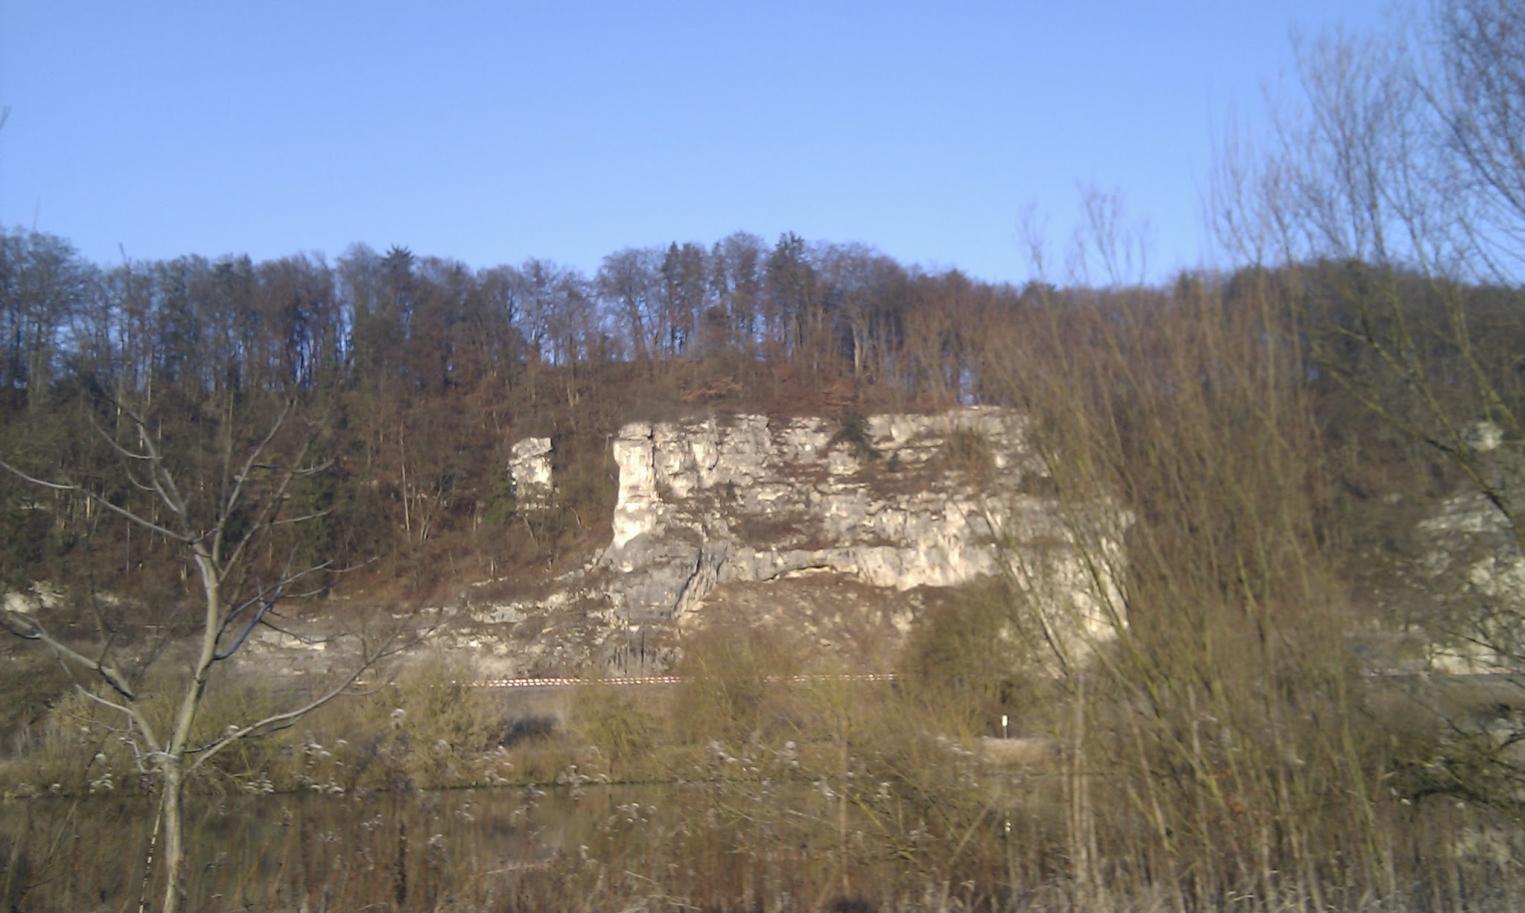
(423, 370)
(297, 324)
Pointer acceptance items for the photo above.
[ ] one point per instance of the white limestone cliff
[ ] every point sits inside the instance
(709, 501)
(709, 509)
(529, 465)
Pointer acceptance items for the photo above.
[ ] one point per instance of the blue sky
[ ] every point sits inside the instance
(491, 132)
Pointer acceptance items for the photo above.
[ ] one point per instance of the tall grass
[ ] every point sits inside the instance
(1222, 751)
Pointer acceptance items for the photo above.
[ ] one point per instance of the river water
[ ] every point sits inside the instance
(316, 851)
(507, 848)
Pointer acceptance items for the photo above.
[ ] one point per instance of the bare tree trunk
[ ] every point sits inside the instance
(402, 458)
(173, 764)
(174, 837)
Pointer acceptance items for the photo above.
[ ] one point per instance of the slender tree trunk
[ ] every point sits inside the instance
(149, 857)
(173, 764)
(174, 838)
(402, 458)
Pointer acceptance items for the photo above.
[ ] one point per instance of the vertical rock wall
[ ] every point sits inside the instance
(897, 501)
(719, 510)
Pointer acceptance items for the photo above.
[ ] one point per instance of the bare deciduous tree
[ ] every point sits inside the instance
(1395, 199)
(218, 522)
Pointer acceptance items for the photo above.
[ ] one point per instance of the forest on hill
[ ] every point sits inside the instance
(421, 372)
(414, 374)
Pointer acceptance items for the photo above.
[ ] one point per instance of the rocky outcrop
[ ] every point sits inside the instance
(38, 599)
(898, 501)
(1473, 575)
(713, 508)
(529, 465)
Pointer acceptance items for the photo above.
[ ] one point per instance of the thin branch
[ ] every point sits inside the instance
(266, 518)
(134, 716)
(276, 593)
(28, 628)
(281, 584)
(112, 443)
(300, 638)
(102, 628)
(243, 475)
(163, 481)
(56, 486)
(132, 478)
(103, 502)
(287, 521)
(131, 713)
(276, 721)
(308, 594)
(313, 470)
(253, 623)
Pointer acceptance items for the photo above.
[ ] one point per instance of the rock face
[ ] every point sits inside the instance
(898, 501)
(36, 600)
(529, 465)
(714, 513)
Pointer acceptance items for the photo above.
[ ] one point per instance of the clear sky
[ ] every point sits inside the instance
(491, 132)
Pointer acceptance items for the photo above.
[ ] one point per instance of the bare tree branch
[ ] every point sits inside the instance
(242, 476)
(265, 519)
(391, 646)
(97, 499)
(28, 628)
